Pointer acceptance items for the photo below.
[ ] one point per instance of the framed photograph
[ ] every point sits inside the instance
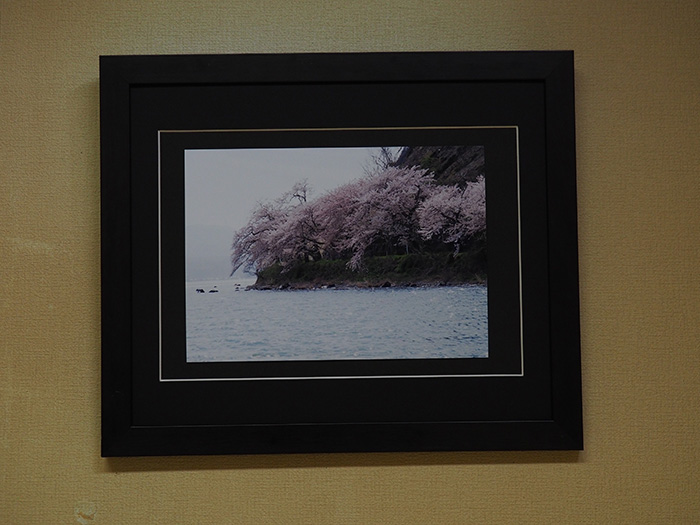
(339, 253)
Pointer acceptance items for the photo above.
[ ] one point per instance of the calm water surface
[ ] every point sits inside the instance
(384, 323)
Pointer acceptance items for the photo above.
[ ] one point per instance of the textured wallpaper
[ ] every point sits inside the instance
(638, 140)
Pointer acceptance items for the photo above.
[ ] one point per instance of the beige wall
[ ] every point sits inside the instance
(638, 132)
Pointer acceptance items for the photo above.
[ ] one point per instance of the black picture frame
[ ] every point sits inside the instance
(525, 396)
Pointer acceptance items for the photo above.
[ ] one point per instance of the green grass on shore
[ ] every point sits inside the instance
(395, 270)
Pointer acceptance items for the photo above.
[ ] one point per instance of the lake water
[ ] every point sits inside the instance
(235, 324)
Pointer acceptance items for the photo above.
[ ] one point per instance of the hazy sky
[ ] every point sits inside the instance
(223, 186)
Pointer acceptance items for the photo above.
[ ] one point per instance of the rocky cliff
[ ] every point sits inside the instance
(450, 164)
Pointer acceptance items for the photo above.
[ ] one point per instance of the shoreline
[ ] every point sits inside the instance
(360, 285)
(396, 271)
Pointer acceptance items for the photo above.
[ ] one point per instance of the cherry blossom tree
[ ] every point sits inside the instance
(392, 211)
(384, 215)
(453, 215)
(266, 238)
(252, 244)
(333, 214)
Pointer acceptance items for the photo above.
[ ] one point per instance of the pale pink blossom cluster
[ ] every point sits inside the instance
(397, 210)
(454, 214)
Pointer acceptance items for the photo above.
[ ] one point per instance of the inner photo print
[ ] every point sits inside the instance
(335, 253)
